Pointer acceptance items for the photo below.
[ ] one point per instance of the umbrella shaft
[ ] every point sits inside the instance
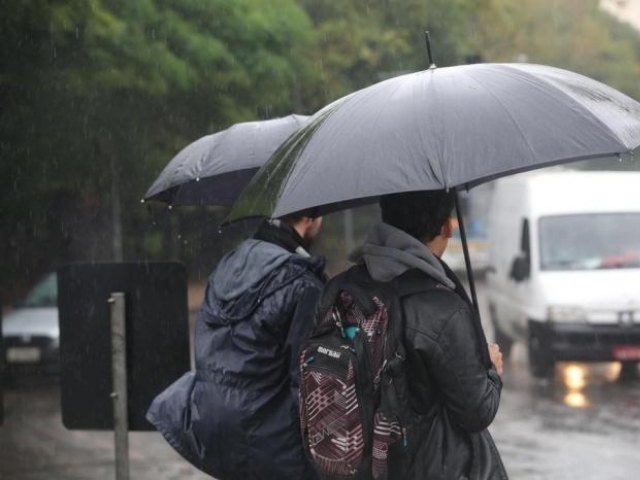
(465, 250)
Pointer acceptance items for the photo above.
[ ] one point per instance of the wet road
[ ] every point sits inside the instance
(34, 445)
(584, 424)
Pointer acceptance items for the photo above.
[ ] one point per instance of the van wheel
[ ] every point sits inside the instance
(541, 363)
(629, 371)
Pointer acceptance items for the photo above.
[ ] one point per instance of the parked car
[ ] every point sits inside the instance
(30, 330)
(564, 274)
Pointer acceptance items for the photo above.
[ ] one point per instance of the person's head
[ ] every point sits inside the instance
(307, 224)
(425, 215)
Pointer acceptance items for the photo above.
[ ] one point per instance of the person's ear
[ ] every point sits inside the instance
(306, 224)
(447, 229)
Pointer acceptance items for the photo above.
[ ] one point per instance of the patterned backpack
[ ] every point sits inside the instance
(352, 379)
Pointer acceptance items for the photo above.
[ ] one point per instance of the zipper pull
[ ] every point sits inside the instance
(405, 442)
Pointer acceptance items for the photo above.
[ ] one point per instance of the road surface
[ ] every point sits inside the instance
(584, 424)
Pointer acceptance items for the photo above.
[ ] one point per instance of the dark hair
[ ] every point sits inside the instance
(420, 214)
(293, 218)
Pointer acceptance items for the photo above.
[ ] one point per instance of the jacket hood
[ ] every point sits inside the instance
(246, 266)
(388, 252)
(246, 275)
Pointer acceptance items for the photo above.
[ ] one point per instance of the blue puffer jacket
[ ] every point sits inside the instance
(236, 416)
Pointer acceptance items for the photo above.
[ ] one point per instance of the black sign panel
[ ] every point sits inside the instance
(157, 329)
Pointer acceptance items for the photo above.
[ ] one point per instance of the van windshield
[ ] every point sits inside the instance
(590, 241)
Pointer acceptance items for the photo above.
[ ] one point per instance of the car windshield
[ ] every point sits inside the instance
(43, 294)
(590, 241)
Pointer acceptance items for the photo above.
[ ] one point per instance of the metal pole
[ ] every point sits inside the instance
(119, 395)
(467, 259)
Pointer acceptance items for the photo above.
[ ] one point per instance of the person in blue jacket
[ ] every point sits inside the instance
(236, 416)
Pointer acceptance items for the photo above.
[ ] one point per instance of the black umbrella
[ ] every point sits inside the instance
(214, 169)
(441, 128)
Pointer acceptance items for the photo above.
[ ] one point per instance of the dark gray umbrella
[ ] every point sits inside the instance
(442, 128)
(214, 169)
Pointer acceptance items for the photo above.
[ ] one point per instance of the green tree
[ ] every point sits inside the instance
(361, 42)
(571, 34)
(97, 95)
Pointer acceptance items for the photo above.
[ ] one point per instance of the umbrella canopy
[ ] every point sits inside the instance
(214, 169)
(441, 128)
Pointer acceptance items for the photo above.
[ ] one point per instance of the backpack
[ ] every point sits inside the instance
(352, 379)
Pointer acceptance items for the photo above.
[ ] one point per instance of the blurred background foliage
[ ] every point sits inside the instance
(98, 95)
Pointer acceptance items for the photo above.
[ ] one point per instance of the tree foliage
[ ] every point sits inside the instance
(98, 95)
(571, 34)
(361, 42)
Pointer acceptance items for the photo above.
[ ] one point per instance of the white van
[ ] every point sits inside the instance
(564, 266)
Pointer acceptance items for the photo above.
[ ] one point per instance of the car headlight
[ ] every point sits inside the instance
(566, 313)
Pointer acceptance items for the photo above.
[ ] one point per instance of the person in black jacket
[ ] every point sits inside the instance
(236, 417)
(453, 375)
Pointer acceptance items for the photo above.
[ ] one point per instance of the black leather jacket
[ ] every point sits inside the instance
(454, 392)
